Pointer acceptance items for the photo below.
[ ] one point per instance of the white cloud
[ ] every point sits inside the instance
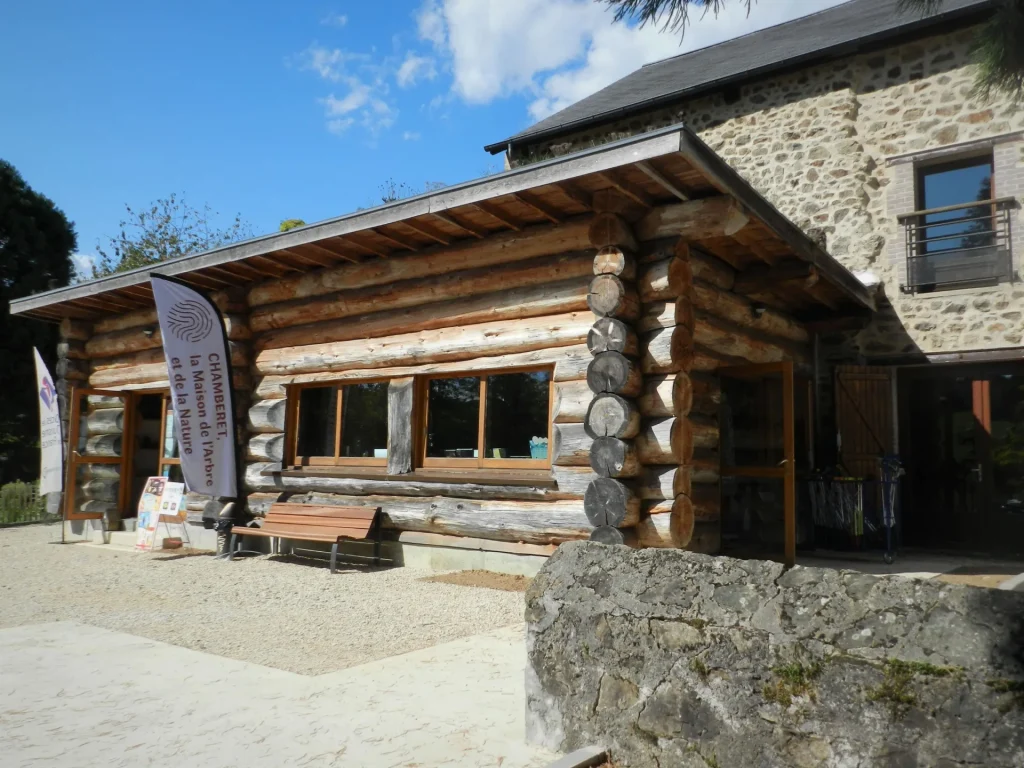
(353, 100)
(430, 23)
(410, 136)
(334, 20)
(339, 125)
(84, 262)
(415, 68)
(365, 100)
(359, 104)
(559, 51)
(329, 63)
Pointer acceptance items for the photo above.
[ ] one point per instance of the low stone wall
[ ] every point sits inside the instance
(670, 658)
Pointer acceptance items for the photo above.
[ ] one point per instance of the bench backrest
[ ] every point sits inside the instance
(320, 520)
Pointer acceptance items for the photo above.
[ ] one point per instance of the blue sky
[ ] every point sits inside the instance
(276, 110)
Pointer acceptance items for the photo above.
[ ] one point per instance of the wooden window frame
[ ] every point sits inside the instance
(481, 461)
(292, 414)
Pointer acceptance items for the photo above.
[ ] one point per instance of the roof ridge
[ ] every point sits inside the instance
(797, 20)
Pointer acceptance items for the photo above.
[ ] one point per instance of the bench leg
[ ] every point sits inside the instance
(376, 543)
(234, 544)
(334, 557)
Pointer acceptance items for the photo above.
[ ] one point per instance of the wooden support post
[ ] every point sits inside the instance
(400, 425)
(614, 377)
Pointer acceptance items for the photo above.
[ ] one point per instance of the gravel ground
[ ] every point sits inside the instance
(280, 612)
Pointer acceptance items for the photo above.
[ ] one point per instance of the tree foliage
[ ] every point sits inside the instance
(998, 49)
(390, 190)
(167, 229)
(36, 243)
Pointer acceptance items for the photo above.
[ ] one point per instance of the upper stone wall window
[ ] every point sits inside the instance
(959, 235)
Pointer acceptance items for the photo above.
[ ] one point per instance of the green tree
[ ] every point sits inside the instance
(167, 229)
(36, 243)
(998, 47)
(290, 224)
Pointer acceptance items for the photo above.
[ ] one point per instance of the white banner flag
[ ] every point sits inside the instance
(51, 470)
(199, 369)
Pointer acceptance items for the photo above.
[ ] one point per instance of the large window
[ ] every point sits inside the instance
(340, 424)
(490, 420)
(959, 235)
(956, 185)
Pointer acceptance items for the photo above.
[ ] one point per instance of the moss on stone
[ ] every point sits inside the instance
(895, 689)
(792, 680)
(698, 666)
(1015, 691)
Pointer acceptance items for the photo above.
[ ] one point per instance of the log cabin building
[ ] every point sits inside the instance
(860, 123)
(688, 292)
(506, 364)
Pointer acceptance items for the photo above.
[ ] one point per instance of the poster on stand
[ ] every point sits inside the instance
(160, 499)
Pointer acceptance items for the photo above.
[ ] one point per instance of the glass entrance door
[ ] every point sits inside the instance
(97, 456)
(758, 453)
(963, 445)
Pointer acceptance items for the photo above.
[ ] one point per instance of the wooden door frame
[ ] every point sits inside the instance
(126, 460)
(75, 459)
(786, 472)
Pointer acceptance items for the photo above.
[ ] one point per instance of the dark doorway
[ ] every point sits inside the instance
(145, 442)
(962, 441)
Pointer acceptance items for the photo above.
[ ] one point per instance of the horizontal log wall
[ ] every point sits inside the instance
(508, 302)
(632, 321)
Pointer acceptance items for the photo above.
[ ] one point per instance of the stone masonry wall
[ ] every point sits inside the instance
(669, 658)
(824, 145)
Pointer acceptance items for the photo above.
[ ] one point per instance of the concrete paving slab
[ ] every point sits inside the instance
(75, 696)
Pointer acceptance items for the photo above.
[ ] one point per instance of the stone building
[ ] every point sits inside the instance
(851, 122)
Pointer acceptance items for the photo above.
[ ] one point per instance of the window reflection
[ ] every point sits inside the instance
(317, 417)
(517, 416)
(957, 184)
(453, 413)
(364, 420)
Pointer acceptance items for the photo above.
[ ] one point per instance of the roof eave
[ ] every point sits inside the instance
(837, 51)
(607, 156)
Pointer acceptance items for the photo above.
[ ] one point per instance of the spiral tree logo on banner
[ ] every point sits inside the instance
(199, 370)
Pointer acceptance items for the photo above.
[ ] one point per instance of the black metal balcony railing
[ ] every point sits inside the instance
(959, 245)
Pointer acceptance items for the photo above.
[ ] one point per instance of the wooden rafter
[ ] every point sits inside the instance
(269, 266)
(750, 240)
(213, 278)
(204, 281)
(647, 168)
(761, 278)
(142, 292)
(448, 219)
(430, 232)
(579, 196)
(627, 188)
(310, 258)
(331, 246)
(104, 303)
(396, 240)
(368, 248)
(538, 205)
(246, 270)
(227, 271)
(498, 215)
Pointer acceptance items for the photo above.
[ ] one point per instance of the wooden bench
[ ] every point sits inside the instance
(309, 522)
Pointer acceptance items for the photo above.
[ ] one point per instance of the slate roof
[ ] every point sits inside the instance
(835, 32)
